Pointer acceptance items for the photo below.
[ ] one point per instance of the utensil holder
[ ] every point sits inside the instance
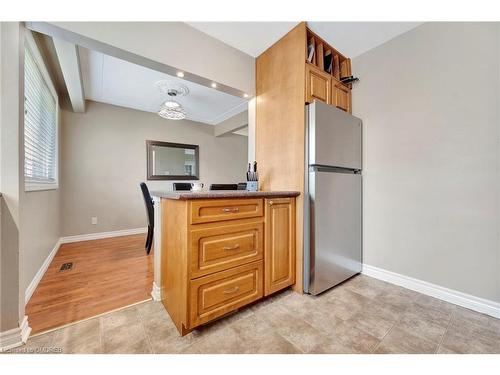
(252, 185)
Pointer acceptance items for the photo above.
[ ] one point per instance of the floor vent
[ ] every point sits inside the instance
(66, 266)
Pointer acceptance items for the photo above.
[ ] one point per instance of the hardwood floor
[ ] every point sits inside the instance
(107, 274)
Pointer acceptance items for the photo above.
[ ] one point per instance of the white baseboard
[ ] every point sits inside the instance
(156, 292)
(98, 236)
(36, 280)
(15, 337)
(469, 301)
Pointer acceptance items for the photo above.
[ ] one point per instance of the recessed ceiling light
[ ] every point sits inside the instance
(180, 74)
(245, 95)
(214, 85)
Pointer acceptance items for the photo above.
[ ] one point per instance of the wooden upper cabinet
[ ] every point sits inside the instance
(341, 97)
(279, 244)
(324, 68)
(318, 85)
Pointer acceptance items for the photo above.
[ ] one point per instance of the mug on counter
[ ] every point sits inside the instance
(196, 186)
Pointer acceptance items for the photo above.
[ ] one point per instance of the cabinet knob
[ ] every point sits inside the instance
(271, 203)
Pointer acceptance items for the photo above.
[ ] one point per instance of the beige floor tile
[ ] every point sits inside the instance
(172, 343)
(81, 338)
(221, 341)
(354, 338)
(125, 339)
(338, 308)
(422, 327)
(394, 300)
(301, 334)
(374, 320)
(322, 320)
(435, 316)
(434, 303)
(128, 316)
(463, 316)
(443, 350)
(259, 337)
(471, 332)
(366, 286)
(350, 297)
(399, 341)
(460, 340)
(332, 346)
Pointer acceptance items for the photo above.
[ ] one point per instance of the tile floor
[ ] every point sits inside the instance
(362, 315)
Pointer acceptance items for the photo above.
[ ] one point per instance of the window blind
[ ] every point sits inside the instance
(40, 128)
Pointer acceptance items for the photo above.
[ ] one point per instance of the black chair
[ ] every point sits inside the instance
(224, 187)
(148, 201)
(182, 186)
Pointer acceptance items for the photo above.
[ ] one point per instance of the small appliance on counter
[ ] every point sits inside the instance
(252, 177)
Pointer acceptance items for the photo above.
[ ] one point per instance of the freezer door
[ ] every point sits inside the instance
(335, 228)
(334, 137)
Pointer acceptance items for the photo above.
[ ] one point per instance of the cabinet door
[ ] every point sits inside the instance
(279, 244)
(341, 97)
(318, 85)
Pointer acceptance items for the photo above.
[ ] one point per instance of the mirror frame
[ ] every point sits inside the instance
(149, 166)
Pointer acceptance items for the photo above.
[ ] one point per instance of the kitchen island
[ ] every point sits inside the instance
(220, 251)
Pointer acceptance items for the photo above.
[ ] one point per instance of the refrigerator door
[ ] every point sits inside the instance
(335, 228)
(334, 137)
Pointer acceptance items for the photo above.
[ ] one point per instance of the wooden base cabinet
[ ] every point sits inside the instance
(279, 244)
(221, 254)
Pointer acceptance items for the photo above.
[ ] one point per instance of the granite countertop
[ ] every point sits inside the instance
(209, 194)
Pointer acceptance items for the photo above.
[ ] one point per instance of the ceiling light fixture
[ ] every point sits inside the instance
(180, 74)
(214, 85)
(172, 110)
(245, 95)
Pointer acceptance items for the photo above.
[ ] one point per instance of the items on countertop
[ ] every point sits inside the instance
(252, 177)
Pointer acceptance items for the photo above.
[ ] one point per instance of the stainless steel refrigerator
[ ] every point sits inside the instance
(332, 212)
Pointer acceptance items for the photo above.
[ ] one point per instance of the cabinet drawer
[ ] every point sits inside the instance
(206, 211)
(219, 248)
(220, 293)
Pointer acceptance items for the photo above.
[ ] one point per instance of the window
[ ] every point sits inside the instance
(40, 123)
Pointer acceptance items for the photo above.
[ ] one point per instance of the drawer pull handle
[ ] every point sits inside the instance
(232, 290)
(234, 247)
(230, 209)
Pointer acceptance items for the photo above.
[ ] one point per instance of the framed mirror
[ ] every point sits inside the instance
(172, 161)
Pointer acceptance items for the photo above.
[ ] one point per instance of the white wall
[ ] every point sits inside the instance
(11, 55)
(104, 160)
(429, 103)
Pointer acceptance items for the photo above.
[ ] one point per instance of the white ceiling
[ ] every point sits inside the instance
(354, 38)
(253, 38)
(350, 38)
(110, 80)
